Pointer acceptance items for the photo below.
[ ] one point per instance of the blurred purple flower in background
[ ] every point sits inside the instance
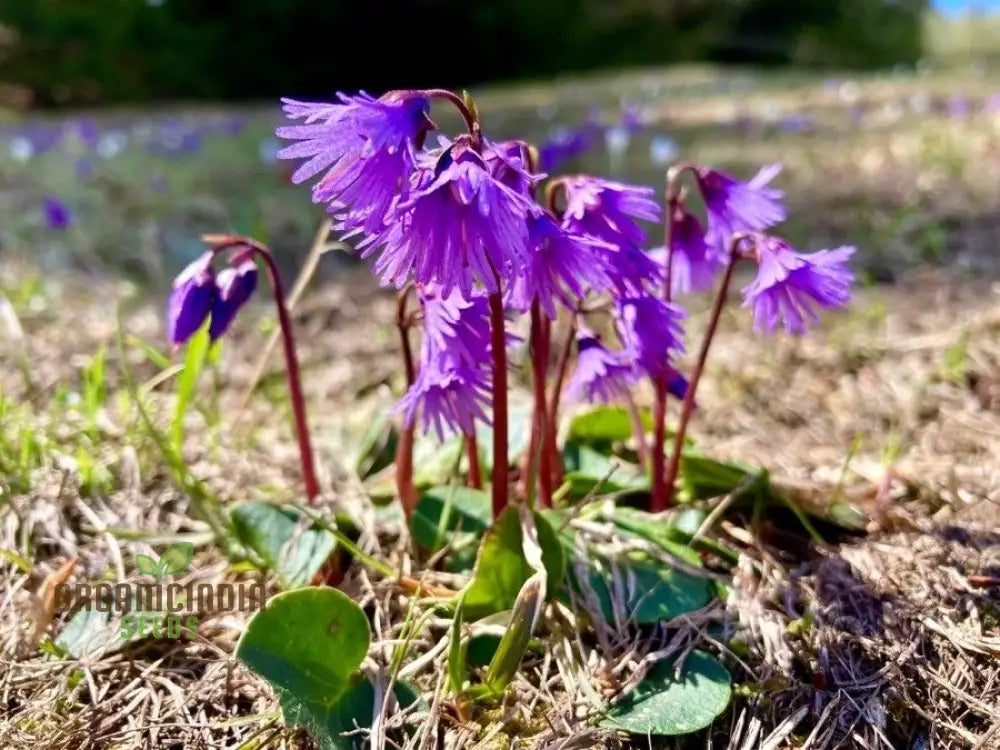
(57, 214)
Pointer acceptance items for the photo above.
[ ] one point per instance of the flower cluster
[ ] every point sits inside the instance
(460, 219)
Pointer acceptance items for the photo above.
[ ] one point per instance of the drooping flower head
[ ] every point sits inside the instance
(609, 211)
(235, 286)
(790, 285)
(459, 226)
(510, 163)
(601, 375)
(452, 387)
(364, 146)
(191, 298)
(695, 263)
(448, 394)
(455, 324)
(561, 266)
(734, 206)
(652, 332)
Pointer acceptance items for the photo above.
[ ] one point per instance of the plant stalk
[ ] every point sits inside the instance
(688, 406)
(500, 487)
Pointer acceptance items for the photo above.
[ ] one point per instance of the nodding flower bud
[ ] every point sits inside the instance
(235, 285)
(191, 298)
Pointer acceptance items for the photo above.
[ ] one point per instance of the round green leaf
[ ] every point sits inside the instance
(668, 704)
(276, 535)
(335, 727)
(309, 642)
(654, 591)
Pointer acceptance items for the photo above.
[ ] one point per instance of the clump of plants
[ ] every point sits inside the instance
(475, 238)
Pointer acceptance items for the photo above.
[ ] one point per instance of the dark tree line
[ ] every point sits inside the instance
(105, 50)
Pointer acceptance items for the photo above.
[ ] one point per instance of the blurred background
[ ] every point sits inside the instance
(129, 127)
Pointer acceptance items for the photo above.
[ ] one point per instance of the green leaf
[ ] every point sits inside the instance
(604, 425)
(194, 361)
(89, 631)
(587, 468)
(309, 642)
(501, 569)
(176, 558)
(649, 590)
(459, 515)
(514, 642)
(703, 478)
(295, 550)
(353, 710)
(377, 447)
(456, 650)
(668, 704)
(148, 566)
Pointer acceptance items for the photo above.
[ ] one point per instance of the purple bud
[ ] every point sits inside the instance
(677, 385)
(235, 286)
(191, 299)
(57, 213)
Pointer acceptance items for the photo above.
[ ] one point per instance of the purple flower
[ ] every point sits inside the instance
(57, 214)
(456, 325)
(449, 394)
(695, 263)
(562, 266)
(191, 298)
(509, 162)
(633, 118)
(608, 210)
(365, 146)
(734, 206)
(562, 146)
(789, 285)
(651, 331)
(452, 386)
(235, 285)
(459, 226)
(677, 385)
(600, 374)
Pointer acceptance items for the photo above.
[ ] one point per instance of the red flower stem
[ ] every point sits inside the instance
(562, 367)
(404, 449)
(528, 462)
(500, 487)
(467, 114)
(661, 494)
(472, 452)
(688, 407)
(221, 242)
(540, 366)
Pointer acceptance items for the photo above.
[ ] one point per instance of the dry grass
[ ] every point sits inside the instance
(887, 640)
